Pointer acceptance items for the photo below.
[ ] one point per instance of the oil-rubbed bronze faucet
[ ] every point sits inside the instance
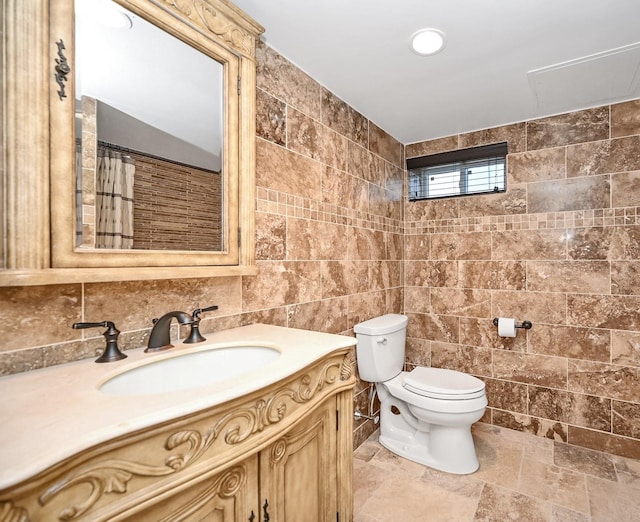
(194, 335)
(160, 338)
(111, 351)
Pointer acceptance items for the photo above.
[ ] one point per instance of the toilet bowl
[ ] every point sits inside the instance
(425, 414)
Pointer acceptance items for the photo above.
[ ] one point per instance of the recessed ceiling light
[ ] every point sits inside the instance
(426, 42)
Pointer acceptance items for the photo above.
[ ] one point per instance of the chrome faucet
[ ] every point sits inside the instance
(160, 338)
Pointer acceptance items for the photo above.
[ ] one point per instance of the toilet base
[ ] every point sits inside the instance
(440, 440)
(453, 449)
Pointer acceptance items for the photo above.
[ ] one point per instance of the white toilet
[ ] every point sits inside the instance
(425, 414)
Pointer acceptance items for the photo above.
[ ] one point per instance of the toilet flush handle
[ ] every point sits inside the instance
(382, 341)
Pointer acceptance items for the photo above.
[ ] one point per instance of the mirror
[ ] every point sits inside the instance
(149, 135)
(40, 244)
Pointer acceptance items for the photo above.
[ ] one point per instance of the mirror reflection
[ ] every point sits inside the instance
(149, 133)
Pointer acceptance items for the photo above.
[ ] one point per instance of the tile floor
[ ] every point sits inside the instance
(521, 477)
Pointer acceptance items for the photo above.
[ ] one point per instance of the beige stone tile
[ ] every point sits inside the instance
(467, 359)
(568, 341)
(627, 471)
(417, 299)
(499, 459)
(492, 275)
(615, 243)
(368, 449)
(572, 408)
(426, 148)
(366, 306)
(344, 277)
(367, 480)
(461, 246)
(603, 157)
(605, 380)
(431, 273)
(513, 134)
(604, 311)
(343, 118)
(433, 327)
(281, 283)
(385, 145)
(310, 138)
(285, 171)
(468, 302)
(625, 277)
(271, 118)
(537, 307)
(498, 504)
(469, 486)
(611, 501)
(626, 418)
(271, 236)
(405, 500)
(393, 463)
(314, 240)
(548, 429)
(384, 274)
(606, 442)
(584, 460)
(562, 514)
(531, 369)
(625, 118)
(417, 246)
(565, 129)
(570, 194)
(591, 277)
(625, 189)
(507, 395)
(538, 165)
(511, 202)
(528, 244)
(24, 326)
(365, 244)
(418, 351)
(425, 210)
(483, 333)
(554, 484)
(625, 348)
(328, 315)
(279, 77)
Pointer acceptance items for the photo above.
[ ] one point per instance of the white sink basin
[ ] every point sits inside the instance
(190, 370)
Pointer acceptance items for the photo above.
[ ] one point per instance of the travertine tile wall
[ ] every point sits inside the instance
(559, 248)
(329, 240)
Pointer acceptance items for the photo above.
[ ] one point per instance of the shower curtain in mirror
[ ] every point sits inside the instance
(114, 199)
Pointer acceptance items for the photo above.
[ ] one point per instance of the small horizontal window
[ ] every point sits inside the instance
(478, 170)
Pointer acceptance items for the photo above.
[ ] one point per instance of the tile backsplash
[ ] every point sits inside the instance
(337, 243)
(560, 248)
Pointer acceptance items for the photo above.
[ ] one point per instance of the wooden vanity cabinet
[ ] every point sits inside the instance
(280, 454)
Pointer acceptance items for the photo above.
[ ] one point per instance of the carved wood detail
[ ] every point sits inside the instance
(216, 22)
(225, 485)
(11, 513)
(114, 475)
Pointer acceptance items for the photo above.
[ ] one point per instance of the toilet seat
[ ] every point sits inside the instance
(444, 384)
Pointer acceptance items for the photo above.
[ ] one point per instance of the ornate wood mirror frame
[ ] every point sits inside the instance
(38, 167)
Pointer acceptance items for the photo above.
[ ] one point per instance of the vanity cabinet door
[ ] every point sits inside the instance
(229, 496)
(298, 471)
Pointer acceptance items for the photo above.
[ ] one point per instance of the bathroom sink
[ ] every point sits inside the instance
(190, 370)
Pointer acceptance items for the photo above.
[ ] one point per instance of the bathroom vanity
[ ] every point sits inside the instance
(273, 443)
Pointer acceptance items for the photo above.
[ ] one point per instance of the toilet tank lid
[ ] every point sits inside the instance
(382, 325)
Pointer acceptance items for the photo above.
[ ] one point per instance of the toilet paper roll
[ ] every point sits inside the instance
(506, 327)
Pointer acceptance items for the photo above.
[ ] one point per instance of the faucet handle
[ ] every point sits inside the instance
(111, 351)
(194, 335)
(196, 313)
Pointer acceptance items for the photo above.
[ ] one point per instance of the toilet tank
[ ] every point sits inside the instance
(380, 347)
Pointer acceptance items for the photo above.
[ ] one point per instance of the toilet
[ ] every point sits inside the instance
(425, 414)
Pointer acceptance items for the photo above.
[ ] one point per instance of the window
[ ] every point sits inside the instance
(477, 170)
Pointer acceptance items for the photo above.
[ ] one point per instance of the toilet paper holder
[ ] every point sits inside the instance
(524, 324)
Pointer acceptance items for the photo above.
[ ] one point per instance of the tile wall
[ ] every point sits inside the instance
(329, 240)
(560, 248)
(336, 245)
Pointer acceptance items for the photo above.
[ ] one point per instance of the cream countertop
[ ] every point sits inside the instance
(50, 414)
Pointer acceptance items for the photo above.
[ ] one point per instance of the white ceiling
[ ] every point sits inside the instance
(505, 60)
